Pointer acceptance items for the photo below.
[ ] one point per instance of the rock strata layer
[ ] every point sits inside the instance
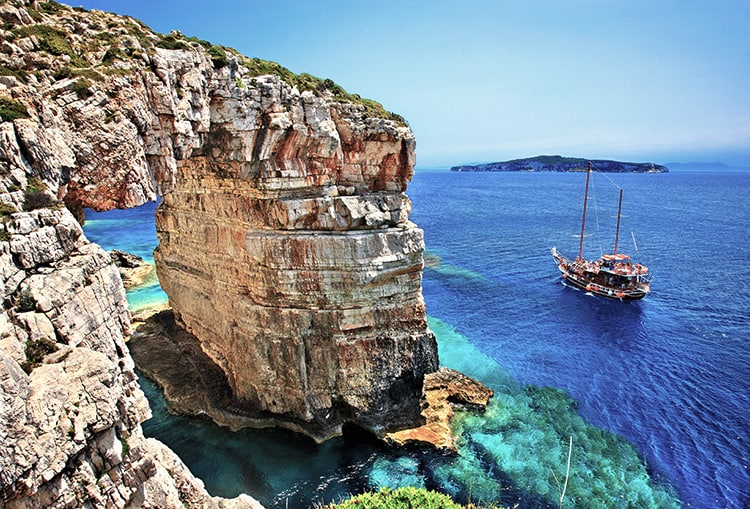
(292, 259)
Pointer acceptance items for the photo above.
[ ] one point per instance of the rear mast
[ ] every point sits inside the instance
(583, 220)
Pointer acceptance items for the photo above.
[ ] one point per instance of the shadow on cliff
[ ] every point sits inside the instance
(194, 385)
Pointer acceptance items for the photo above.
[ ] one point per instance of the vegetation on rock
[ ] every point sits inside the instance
(111, 42)
(402, 498)
(38, 200)
(10, 109)
(6, 209)
(36, 351)
(51, 40)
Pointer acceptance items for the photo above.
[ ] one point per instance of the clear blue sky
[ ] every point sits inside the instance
(489, 80)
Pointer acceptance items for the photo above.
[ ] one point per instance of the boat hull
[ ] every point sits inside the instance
(591, 281)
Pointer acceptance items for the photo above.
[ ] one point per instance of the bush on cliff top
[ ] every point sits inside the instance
(318, 86)
(402, 498)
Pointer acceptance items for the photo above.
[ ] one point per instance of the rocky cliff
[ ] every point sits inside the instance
(70, 406)
(285, 245)
(286, 249)
(564, 164)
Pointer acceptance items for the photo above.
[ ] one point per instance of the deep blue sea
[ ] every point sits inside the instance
(655, 394)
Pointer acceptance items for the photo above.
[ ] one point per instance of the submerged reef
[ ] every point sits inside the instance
(509, 453)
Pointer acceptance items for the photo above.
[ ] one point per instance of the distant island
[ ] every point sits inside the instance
(564, 164)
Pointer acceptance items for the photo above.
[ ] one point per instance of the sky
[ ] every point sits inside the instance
(491, 80)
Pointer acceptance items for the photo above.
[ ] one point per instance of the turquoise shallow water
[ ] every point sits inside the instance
(654, 394)
(132, 231)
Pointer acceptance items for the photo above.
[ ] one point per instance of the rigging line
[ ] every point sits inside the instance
(618, 186)
(596, 216)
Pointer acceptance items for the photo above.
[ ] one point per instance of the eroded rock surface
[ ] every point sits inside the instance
(70, 405)
(285, 245)
(443, 389)
(292, 259)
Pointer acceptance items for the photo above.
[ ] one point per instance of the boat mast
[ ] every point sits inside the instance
(583, 220)
(617, 231)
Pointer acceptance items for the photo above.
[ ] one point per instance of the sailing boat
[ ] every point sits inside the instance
(614, 276)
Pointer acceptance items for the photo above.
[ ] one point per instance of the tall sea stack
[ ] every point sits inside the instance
(285, 247)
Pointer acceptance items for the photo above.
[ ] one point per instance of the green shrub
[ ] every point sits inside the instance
(113, 53)
(36, 351)
(52, 41)
(34, 184)
(62, 73)
(6, 209)
(19, 74)
(402, 498)
(38, 200)
(218, 56)
(10, 109)
(82, 88)
(171, 41)
(50, 7)
(258, 67)
(203, 43)
(125, 447)
(25, 301)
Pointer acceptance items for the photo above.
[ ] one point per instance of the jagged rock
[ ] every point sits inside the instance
(70, 405)
(285, 245)
(133, 269)
(443, 389)
(284, 236)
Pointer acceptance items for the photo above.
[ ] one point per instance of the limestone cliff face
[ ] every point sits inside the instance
(285, 245)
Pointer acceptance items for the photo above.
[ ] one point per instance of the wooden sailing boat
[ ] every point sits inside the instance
(614, 276)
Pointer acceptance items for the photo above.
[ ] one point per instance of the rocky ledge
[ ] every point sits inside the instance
(134, 271)
(443, 390)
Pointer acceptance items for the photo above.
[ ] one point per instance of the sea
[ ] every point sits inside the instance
(642, 404)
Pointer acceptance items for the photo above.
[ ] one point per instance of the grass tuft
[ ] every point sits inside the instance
(10, 109)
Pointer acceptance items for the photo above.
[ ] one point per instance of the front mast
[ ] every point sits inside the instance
(617, 231)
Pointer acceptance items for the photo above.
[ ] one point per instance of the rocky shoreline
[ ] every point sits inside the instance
(70, 406)
(134, 271)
